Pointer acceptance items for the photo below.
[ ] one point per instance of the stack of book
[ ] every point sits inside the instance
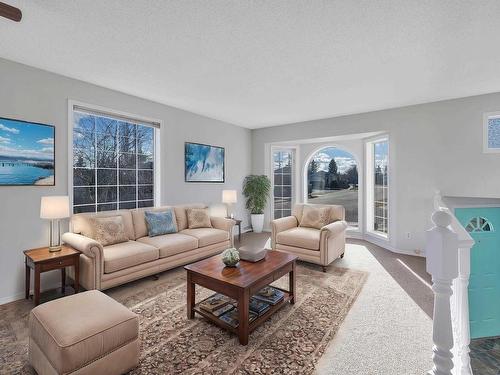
(258, 307)
(232, 317)
(269, 295)
(218, 304)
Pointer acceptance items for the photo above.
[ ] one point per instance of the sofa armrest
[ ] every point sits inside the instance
(85, 245)
(91, 259)
(335, 228)
(224, 224)
(280, 225)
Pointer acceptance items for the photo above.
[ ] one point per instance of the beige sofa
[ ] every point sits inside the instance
(105, 267)
(319, 246)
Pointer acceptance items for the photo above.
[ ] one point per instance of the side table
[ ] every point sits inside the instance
(238, 223)
(42, 260)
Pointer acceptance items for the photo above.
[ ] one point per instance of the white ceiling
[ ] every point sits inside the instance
(261, 63)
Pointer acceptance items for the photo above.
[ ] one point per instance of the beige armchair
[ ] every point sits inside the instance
(318, 246)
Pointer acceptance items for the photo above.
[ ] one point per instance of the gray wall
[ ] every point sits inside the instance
(436, 146)
(30, 94)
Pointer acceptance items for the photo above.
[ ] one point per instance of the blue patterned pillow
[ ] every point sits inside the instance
(161, 222)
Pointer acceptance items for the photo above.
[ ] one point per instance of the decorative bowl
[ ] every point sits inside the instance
(251, 254)
(230, 257)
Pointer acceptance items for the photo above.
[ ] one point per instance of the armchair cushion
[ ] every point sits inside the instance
(307, 238)
(315, 217)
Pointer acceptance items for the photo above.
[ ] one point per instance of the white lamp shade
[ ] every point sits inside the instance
(229, 196)
(54, 207)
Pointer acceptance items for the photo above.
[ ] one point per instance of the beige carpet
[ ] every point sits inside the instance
(291, 342)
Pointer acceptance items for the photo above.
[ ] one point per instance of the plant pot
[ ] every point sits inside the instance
(257, 222)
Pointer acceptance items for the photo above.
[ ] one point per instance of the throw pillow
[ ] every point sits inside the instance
(315, 217)
(108, 230)
(160, 222)
(198, 218)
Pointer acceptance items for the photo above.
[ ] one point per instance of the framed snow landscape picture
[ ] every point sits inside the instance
(203, 163)
(26, 153)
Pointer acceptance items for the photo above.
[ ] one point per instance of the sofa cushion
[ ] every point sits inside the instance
(82, 225)
(307, 238)
(75, 330)
(198, 218)
(181, 215)
(108, 230)
(171, 244)
(128, 254)
(160, 223)
(139, 221)
(207, 236)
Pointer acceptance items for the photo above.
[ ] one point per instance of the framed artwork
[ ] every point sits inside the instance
(203, 163)
(27, 154)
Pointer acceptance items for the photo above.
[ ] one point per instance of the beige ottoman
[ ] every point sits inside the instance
(86, 333)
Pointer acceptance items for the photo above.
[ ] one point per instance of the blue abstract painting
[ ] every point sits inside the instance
(203, 163)
(26, 153)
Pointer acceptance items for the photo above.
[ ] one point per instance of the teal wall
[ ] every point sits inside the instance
(484, 285)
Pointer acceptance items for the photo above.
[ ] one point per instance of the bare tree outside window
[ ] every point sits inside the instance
(113, 163)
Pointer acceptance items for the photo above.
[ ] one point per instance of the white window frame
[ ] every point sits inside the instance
(294, 152)
(158, 124)
(369, 188)
(486, 117)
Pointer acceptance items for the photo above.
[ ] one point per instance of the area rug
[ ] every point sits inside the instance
(290, 342)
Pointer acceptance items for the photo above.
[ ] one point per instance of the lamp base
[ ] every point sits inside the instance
(54, 249)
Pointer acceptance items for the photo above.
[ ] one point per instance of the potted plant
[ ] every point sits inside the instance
(256, 191)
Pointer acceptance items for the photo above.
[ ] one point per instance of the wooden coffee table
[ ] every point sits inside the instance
(240, 283)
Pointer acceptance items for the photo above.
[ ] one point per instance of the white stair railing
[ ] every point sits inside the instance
(448, 261)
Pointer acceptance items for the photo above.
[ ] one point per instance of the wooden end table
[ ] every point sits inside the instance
(240, 283)
(42, 260)
(238, 223)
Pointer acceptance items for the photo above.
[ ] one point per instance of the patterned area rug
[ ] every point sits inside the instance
(290, 342)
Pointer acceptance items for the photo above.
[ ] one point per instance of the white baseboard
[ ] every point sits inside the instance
(13, 298)
(386, 245)
(20, 295)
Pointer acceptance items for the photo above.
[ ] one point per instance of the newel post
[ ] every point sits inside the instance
(442, 264)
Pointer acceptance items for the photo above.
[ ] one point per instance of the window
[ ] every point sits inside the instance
(378, 187)
(282, 182)
(491, 132)
(479, 224)
(113, 162)
(332, 178)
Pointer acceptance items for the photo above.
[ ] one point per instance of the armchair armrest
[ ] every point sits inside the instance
(335, 228)
(85, 245)
(280, 225)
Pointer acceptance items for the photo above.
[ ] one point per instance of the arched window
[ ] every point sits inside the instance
(479, 224)
(332, 178)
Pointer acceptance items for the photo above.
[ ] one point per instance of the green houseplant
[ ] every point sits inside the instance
(256, 190)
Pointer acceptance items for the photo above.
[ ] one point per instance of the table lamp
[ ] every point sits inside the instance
(54, 208)
(229, 197)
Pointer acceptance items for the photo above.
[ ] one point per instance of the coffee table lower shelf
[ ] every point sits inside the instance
(253, 325)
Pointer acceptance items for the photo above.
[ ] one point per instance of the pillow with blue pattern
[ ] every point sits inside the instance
(160, 222)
